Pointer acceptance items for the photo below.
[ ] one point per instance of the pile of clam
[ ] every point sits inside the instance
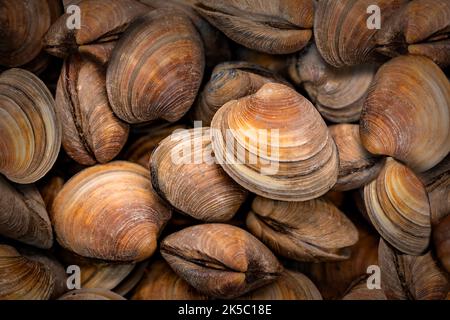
(200, 149)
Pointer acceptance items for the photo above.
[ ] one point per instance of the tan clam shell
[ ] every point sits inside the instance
(298, 165)
(23, 216)
(338, 93)
(92, 133)
(156, 68)
(441, 235)
(341, 33)
(29, 276)
(405, 277)
(194, 184)
(115, 17)
(160, 282)
(407, 111)
(360, 291)
(313, 230)
(91, 294)
(290, 285)
(220, 260)
(357, 167)
(109, 212)
(30, 131)
(230, 81)
(398, 207)
(277, 27)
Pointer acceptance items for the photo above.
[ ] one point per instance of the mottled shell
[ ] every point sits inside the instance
(161, 283)
(30, 132)
(407, 111)
(275, 144)
(290, 285)
(156, 68)
(405, 277)
(338, 93)
(357, 167)
(277, 27)
(185, 173)
(92, 133)
(398, 207)
(230, 81)
(91, 294)
(23, 216)
(109, 212)
(441, 235)
(115, 16)
(29, 276)
(313, 230)
(220, 260)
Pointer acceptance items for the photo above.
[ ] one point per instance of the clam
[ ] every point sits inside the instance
(92, 133)
(341, 32)
(357, 167)
(338, 93)
(407, 111)
(141, 149)
(441, 235)
(278, 63)
(360, 291)
(22, 27)
(184, 173)
(275, 144)
(23, 216)
(29, 275)
(30, 130)
(313, 230)
(277, 27)
(156, 68)
(406, 277)
(91, 294)
(220, 260)
(115, 17)
(290, 285)
(161, 283)
(230, 81)
(398, 207)
(109, 212)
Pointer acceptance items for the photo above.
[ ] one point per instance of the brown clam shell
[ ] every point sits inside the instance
(277, 27)
(441, 235)
(92, 133)
(275, 144)
(407, 111)
(156, 68)
(405, 277)
(110, 212)
(357, 167)
(220, 260)
(194, 183)
(30, 132)
(398, 207)
(360, 291)
(313, 230)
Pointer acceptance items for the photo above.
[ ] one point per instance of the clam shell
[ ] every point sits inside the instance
(398, 207)
(220, 260)
(290, 285)
(194, 184)
(357, 167)
(313, 230)
(23, 216)
(109, 212)
(161, 283)
(407, 111)
(405, 277)
(230, 81)
(91, 294)
(277, 27)
(360, 291)
(92, 133)
(275, 144)
(156, 68)
(441, 235)
(30, 130)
